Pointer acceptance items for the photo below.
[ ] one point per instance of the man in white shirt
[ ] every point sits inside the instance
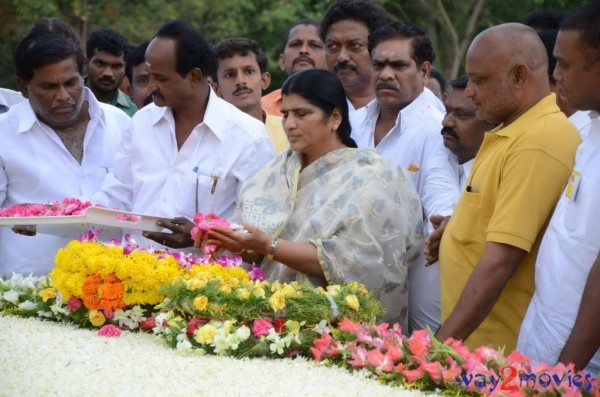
(190, 150)
(581, 119)
(561, 323)
(403, 125)
(345, 30)
(58, 143)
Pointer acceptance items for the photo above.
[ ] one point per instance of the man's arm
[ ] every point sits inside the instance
(584, 340)
(496, 266)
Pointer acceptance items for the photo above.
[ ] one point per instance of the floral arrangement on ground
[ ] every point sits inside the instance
(198, 305)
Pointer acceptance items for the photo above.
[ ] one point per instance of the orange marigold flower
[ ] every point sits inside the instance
(103, 293)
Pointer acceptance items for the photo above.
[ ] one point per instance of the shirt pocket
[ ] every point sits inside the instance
(467, 217)
(199, 195)
(579, 216)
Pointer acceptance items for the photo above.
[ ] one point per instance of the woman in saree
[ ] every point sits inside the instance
(325, 210)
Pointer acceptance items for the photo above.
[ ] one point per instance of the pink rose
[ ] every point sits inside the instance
(73, 304)
(109, 331)
(261, 327)
(149, 323)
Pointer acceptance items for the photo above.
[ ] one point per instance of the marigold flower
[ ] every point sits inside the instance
(201, 302)
(352, 302)
(205, 335)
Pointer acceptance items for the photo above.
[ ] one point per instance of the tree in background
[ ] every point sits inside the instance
(451, 24)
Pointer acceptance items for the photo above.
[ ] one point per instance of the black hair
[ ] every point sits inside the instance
(460, 82)
(368, 12)
(322, 89)
(548, 38)
(230, 47)
(439, 76)
(135, 57)
(306, 21)
(540, 20)
(48, 41)
(585, 20)
(422, 50)
(191, 50)
(107, 40)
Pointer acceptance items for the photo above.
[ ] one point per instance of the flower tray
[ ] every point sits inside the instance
(111, 223)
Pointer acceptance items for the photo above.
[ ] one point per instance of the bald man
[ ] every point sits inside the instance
(488, 250)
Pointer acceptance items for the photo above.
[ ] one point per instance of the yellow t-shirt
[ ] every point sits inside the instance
(518, 175)
(276, 133)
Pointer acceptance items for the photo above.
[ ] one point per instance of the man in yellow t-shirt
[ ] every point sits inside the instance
(488, 249)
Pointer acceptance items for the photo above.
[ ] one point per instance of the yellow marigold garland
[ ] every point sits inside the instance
(140, 274)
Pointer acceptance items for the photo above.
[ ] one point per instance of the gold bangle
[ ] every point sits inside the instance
(271, 253)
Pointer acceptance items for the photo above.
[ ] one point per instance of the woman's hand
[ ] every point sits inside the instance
(180, 238)
(235, 242)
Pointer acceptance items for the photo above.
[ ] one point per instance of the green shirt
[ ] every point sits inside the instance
(124, 103)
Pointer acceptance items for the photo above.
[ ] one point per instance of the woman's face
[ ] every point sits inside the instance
(308, 129)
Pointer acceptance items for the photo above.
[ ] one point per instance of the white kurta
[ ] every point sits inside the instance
(35, 167)
(569, 248)
(416, 144)
(153, 176)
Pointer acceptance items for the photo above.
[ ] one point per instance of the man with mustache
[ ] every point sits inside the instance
(462, 132)
(106, 51)
(240, 77)
(402, 124)
(345, 30)
(303, 49)
(60, 142)
(189, 151)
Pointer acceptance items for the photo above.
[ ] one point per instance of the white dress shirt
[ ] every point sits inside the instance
(567, 252)
(356, 116)
(433, 100)
(581, 120)
(152, 176)
(415, 143)
(35, 167)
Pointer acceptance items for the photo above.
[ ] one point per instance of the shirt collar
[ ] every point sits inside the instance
(405, 114)
(27, 118)
(544, 106)
(215, 116)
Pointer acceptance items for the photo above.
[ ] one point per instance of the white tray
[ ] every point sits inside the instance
(95, 218)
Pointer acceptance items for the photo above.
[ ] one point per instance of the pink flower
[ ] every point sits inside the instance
(149, 323)
(381, 362)
(359, 357)
(435, 370)
(255, 273)
(73, 304)
(109, 331)
(517, 358)
(108, 313)
(347, 325)
(419, 343)
(413, 375)
(261, 327)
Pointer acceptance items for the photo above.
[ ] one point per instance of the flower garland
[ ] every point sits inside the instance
(69, 206)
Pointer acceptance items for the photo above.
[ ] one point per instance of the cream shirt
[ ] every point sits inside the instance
(152, 176)
(569, 248)
(35, 167)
